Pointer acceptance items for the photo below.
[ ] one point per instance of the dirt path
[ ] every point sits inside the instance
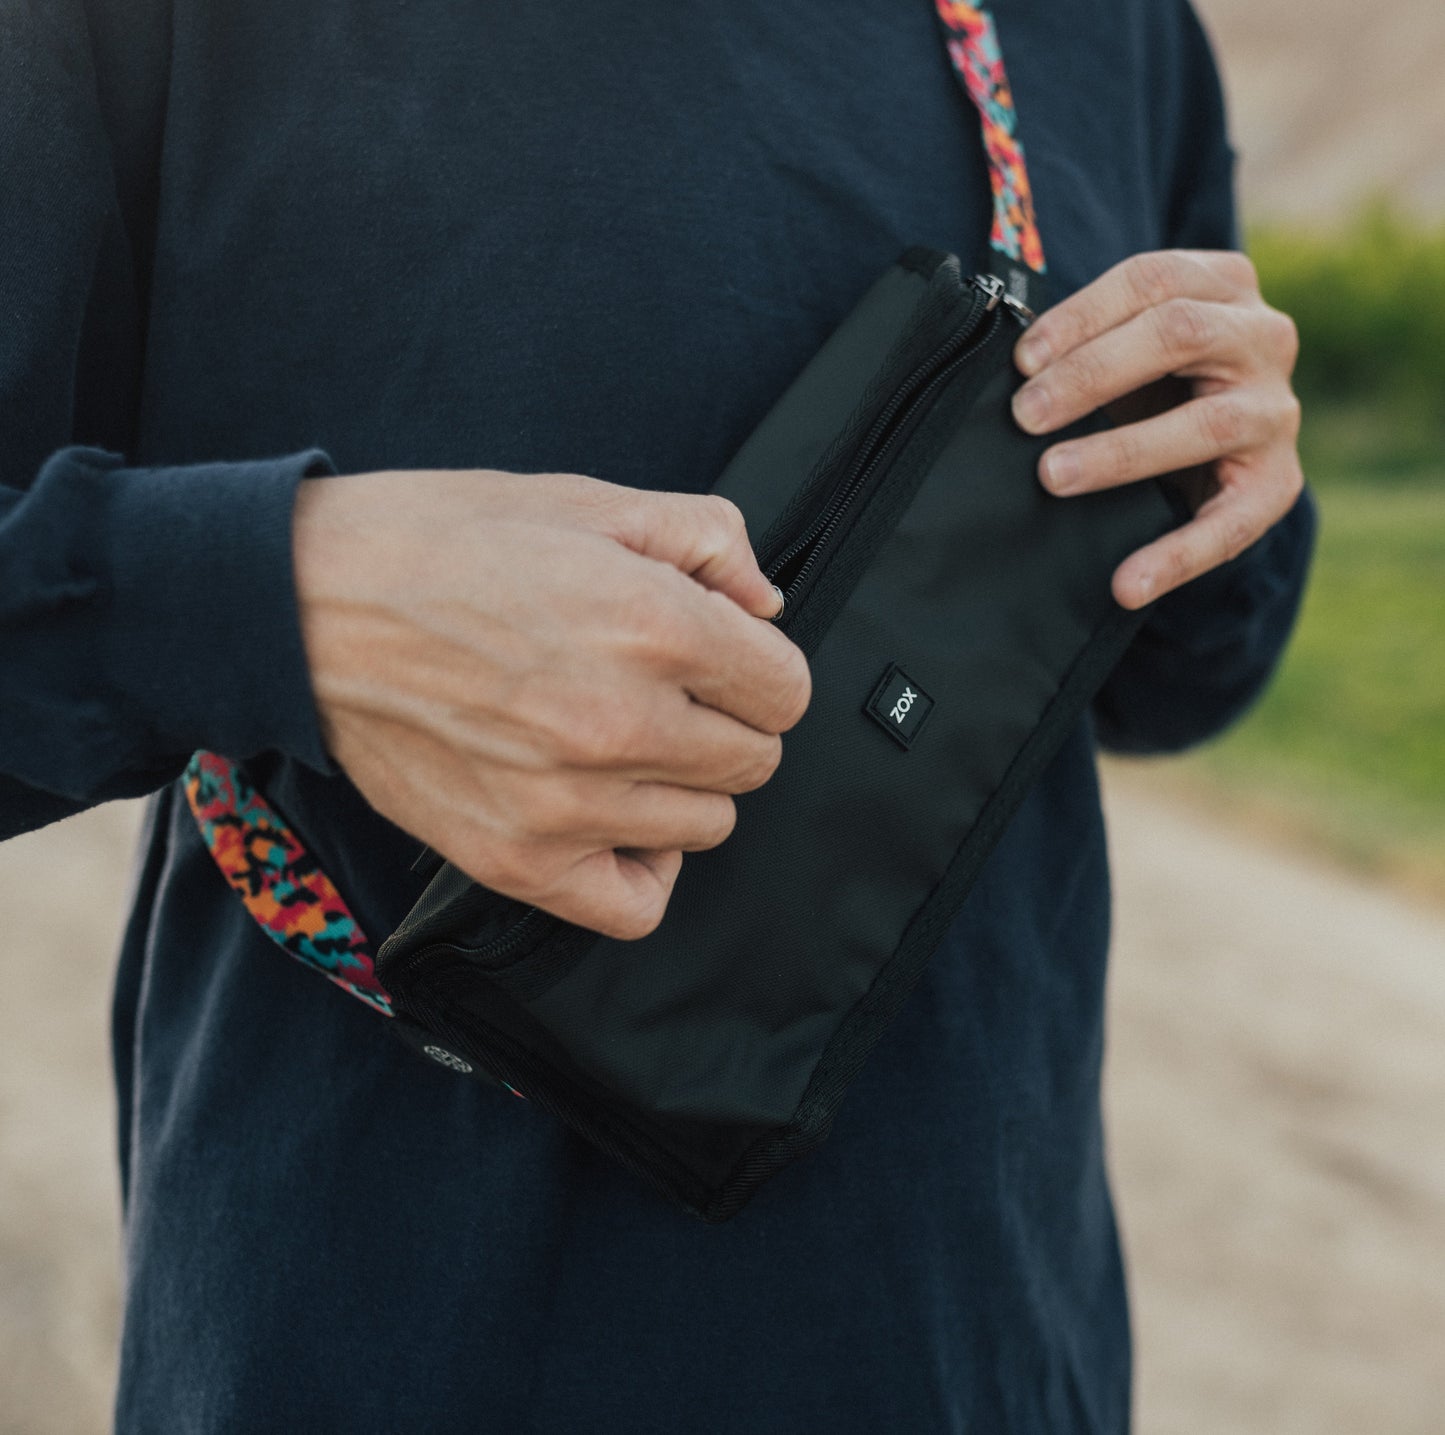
(1277, 1108)
(61, 896)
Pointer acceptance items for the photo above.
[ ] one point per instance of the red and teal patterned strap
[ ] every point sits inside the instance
(295, 903)
(971, 39)
(260, 854)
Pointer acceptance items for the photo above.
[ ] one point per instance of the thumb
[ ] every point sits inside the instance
(706, 537)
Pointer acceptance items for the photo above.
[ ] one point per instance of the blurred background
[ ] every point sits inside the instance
(1276, 1081)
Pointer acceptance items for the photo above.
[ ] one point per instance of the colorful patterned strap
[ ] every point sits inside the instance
(260, 855)
(294, 901)
(972, 43)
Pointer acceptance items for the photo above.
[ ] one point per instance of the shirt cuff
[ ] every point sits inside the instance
(1258, 590)
(171, 617)
(200, 643)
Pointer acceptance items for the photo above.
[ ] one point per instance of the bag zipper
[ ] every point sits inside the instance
(802, 555)
(910, 396)
(998, 294)
(502, 945)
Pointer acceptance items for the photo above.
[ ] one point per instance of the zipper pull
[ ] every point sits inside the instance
(993, 286)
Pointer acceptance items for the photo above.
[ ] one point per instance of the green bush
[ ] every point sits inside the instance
(1348, 746)
(1347, 749)
(1369, 300)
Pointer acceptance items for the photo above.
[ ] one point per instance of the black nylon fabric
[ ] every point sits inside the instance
(709, 1054)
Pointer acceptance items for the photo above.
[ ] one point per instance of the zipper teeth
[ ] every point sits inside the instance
(418, 930)
(874, 447)
(876, 444)
(499, 946)
(504, 942)
(902, 396)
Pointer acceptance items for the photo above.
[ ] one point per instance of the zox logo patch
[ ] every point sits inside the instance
(899, 706)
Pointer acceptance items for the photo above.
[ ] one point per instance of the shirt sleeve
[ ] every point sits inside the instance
(1208, 649)
(145, 611)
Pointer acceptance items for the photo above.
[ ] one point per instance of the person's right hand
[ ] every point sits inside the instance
(557, 683)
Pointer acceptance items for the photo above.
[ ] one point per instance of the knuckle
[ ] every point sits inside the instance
(1081, 376)
(1154, 278)
(794, 686)
(638, 917)
(722, 817)
(1066, 327)
(1225, 423)
(726, 515)
(1294, 487)
(578, 736)
(780, 674)
(1179, 566)
(562, 735)
(1237, 535)
(1285, 334)
(1237, 268)
(595, 734)
(1185, 327)
(758, 771)
(1125, 453)
(708, 617)
(629, 731)
(1291, 413)
(651, 618)
(606, 504)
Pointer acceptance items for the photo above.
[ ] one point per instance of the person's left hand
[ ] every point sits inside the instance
(1181, 348)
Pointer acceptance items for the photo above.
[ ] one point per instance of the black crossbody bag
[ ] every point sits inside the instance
(957, 619)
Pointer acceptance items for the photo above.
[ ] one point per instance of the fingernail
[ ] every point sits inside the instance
(1061, 471)
(1145, 585)
(1031, 408)
(1032, 354)
(782, 602)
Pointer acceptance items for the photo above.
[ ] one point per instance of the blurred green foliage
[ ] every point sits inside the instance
(1369, 300)
(1347, 748)
(1348, 745)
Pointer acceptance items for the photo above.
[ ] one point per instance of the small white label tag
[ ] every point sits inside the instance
(899, 705)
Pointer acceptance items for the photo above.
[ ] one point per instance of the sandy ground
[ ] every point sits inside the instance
(1277, 1119)
(62, 892)
(1277, 1124)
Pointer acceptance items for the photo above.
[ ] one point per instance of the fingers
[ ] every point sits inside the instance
(620, 894)
(647, 732)
(1246, 507)
(1129, 289)
(701, 535)
(1189, 337)
(643, 816)
(693, 745)
(1228, 422)
(618, 888)
(734, 663)
(603, 855)
(1193, 320)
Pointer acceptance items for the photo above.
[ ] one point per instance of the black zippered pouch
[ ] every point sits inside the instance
(957, 619)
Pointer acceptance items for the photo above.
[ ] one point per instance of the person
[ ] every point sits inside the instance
(364, 369)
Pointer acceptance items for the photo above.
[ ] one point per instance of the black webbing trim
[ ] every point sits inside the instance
(860, 1029)
(640, 1144)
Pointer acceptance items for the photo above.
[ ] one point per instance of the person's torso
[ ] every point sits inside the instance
(421, 233)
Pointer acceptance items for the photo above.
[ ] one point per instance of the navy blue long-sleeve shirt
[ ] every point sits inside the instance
(240, 244)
